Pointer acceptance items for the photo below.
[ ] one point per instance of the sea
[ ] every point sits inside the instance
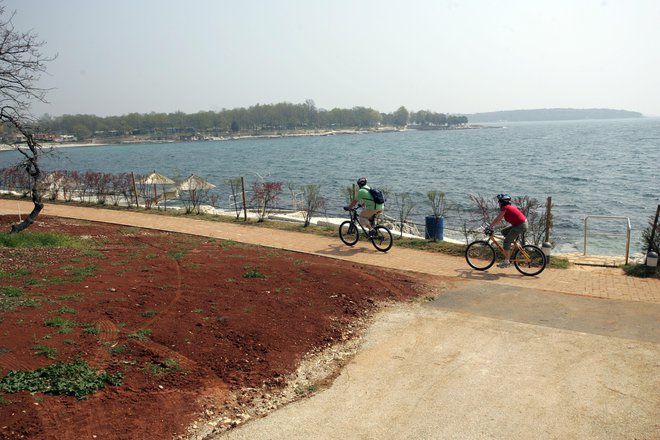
(591, 169)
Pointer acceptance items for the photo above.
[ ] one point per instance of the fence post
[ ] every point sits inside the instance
(137, 203)
(548, 218)
(244, 204)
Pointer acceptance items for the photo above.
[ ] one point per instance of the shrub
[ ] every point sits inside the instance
(72, 379)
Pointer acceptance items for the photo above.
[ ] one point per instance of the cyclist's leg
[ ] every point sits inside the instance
(510, 235)
(367, 219)
(366, 215)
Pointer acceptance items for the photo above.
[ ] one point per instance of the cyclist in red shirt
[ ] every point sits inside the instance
(518, 226)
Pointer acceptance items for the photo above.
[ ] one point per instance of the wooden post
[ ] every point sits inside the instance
(137, 203)
(244, 204)
(548, 219)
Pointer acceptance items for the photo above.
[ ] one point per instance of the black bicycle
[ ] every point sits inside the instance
(380, 236)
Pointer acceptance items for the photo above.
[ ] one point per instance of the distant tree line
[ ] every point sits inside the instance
(255, 119)
(553, 114)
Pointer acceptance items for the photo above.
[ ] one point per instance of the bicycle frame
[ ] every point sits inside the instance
(527, 259)
(355, 218)
(496, 239)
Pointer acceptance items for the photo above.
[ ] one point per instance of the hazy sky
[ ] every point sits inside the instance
(451, 56)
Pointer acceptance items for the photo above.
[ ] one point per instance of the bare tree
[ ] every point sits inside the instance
(265, 196)
(348, 193)
(404, 206)
(295, 195)
(312, 201)
(21, 66)
(536, 220)
(485, 208)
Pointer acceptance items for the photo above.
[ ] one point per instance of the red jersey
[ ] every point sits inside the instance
(513, 215)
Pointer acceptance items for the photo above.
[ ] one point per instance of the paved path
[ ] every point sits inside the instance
(596, 282)
(571, 354)
(488, 362)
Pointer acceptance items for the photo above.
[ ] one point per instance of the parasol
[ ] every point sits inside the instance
(156, 179)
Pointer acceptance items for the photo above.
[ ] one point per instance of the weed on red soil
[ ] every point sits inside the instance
(186, 322)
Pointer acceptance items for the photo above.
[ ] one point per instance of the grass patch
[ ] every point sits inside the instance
(559, 263)
(141, 335)
(168, 366)
(69, 296)
(28, 239)
(444, 247)
(91, 329)
(76, 379)
(44, 350)
(79, 273)
(11, 291)
(65, 325)
(94, 254)
(177, 255)
(640, 271)
(253, 274)
(15, 274)
(149, 313)
(64, 310)
(12, 298)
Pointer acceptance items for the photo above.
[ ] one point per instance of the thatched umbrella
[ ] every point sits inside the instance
(156, 179)
(193, 184)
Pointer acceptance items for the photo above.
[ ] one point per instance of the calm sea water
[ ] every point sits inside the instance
(604, 167)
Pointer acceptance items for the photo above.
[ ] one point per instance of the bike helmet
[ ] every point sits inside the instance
(362, 181)
(504, 198)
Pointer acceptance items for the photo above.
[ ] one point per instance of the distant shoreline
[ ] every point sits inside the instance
(135, 140)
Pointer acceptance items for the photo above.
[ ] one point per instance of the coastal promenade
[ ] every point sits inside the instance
(610, 283)
(570, 354)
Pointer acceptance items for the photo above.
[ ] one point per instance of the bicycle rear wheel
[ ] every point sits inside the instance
(480, 255)
(382, 239)
(349, 233)
(531, 266)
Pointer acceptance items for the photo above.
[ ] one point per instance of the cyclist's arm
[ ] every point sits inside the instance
(498, 219)
(352, 204)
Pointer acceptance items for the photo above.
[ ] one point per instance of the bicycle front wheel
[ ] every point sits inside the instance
(382, 239)
(480, 255)
(349, 233)
(529, 261)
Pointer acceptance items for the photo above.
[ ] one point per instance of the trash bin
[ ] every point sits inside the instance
(435, 227)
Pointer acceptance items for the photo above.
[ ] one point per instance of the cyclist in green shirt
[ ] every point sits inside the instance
(370, 209)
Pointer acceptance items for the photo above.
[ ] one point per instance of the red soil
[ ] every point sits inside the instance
(223, 317)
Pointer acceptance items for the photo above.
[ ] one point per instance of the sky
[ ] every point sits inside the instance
(448, 56)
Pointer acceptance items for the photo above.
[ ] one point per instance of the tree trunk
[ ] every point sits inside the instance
(31, 164)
